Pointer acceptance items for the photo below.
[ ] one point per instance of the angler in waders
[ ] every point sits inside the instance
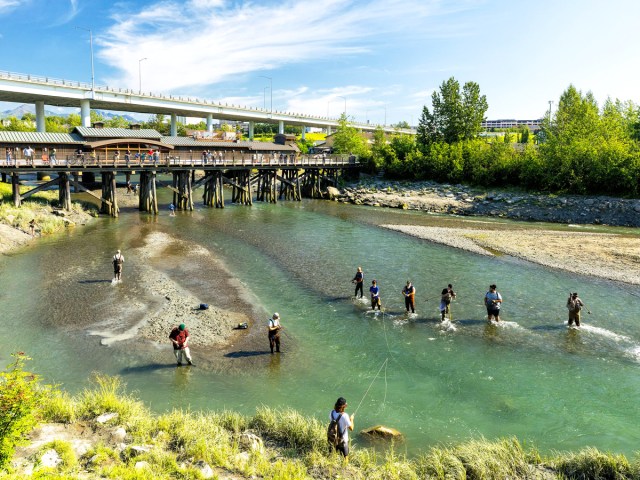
(118, 261)
(574, 304)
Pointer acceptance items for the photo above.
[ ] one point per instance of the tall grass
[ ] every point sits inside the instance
(294, 447)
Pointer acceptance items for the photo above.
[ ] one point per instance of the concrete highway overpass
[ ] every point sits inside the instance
(41, 91)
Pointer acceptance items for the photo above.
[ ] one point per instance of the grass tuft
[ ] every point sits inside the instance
(595, 465)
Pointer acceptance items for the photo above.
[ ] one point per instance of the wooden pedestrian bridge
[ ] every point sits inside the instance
(272, 176)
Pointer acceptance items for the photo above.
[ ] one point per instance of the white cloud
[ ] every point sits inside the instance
(8, 5)
(204, 42)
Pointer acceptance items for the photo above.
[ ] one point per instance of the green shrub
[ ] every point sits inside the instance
(20, 395)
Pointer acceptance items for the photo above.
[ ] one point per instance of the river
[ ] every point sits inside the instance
(555, 388)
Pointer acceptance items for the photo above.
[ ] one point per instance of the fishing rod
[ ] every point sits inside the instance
(371, 384)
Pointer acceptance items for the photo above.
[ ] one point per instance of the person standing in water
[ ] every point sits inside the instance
(409, 292)
(179, 337)
(344, 424)
(445, 301)
(274, 332)
(574, 304)
(118, 261)
(493, 302)
(359, 281)
(374, 290)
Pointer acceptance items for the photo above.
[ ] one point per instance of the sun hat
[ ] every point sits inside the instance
(182, 326)
(276, 316)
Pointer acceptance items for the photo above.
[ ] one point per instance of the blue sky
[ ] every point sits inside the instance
(385, 57)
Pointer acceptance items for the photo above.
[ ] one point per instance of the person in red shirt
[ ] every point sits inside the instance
(179, 336)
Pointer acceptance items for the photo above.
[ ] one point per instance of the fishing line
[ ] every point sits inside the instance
(371, 384)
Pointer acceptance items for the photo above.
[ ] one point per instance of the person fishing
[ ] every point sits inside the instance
(409, 292)
(374, 290)
(359, 281)
(179, 337)
(574, 304)
(343, 423)
(445, 302)
(118, 261)
(274, 332)
(493, 302)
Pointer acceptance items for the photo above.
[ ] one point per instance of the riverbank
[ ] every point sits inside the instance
(609, 256)
(106, 433)
(467, 201)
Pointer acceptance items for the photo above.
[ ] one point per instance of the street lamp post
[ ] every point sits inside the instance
(270, 89)
(264, 98)
(345, 104)
(93, 85)
(140, 74)
(385, 116)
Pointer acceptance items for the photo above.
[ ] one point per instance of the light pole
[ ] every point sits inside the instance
(385, 116)
(264, 98)
(93, 85)
(270, 89)
(140, 74)
(345, 104)
(550, 103)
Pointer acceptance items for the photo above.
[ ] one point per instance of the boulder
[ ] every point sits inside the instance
(380, 431)
(333, 192)
(50, 459)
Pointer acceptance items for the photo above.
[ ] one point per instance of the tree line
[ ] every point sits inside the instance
(581, 149)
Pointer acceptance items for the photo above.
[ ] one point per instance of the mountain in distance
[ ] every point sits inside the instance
(20, 110)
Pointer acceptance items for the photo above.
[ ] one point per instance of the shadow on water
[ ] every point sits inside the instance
(242, 354)
(94, 281)
(152, 367)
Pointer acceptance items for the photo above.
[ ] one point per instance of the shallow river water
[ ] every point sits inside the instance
(531, 377)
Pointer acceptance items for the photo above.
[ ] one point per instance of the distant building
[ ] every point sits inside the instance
(512, 123)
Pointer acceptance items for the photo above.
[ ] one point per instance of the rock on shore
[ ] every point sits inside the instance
(464, 200)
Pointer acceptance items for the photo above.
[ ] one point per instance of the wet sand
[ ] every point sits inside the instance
(608, 256)
(171, 272)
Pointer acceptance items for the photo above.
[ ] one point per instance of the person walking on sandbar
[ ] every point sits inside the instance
(118, 261)
(359, 281)
(409, 292)
(574, 304)
(493, 302)
(179, 337)
(274, 332)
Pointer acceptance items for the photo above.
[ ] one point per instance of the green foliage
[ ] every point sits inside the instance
(290, 429)
(454, 115)
(20, 395)
(65, 452)
(594, 465)
(347, 139)
(108, 396)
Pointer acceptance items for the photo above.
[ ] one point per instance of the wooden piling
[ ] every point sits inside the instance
(64, 190)
(15, 188)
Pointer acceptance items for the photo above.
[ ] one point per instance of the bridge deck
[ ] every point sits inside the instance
(178, 163)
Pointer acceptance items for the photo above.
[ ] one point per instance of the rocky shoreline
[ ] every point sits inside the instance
(463, 200)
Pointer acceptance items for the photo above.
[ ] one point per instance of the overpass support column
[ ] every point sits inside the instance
(174, 125)
(210, 122)
(251, 127)
(85, 112)
(40, 123)
(328, 130)
(304, 132)
(281, 126)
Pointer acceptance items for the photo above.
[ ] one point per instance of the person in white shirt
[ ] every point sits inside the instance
(274, 332)
(345, 423)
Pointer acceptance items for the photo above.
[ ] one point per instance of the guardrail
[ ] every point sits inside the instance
(97, 161)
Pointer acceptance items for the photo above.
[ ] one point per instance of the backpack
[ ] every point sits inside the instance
(334, 436)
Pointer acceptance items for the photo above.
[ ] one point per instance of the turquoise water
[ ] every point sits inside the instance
(530, 377)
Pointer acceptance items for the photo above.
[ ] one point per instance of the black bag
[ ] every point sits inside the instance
(334, 435)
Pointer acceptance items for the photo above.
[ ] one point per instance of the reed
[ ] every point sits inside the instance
(595, 465)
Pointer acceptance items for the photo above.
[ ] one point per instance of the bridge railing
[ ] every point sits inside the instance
(101, 161)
